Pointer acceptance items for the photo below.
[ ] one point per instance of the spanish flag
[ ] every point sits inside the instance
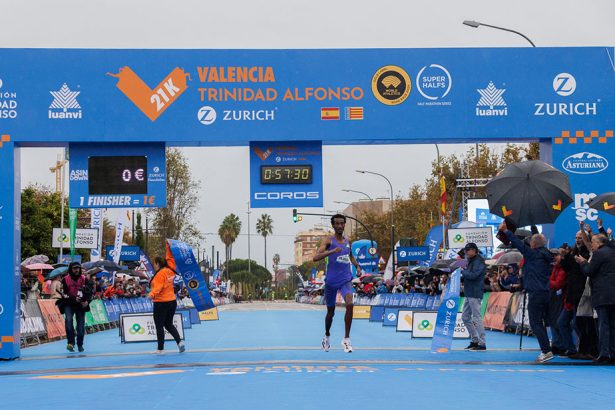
(330, 113)
(442, 195)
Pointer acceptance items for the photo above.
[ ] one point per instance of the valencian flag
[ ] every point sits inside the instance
(181, 259)
(442, 195)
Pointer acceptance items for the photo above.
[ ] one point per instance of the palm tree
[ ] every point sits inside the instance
(264, 227)
(228, 231)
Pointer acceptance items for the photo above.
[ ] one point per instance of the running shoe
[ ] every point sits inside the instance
(544, 357)
(181, 346)
(80, 348)
(70, 347)
(325, 343)
(471, 346)
(479, 348)
(346, 345)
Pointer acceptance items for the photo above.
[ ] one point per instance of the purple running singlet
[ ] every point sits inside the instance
(339, 274)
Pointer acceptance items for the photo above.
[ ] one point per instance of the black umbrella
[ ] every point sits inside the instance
(604, 202)
(529, 193)
(105, 264)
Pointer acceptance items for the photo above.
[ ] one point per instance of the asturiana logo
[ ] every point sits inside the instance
(585, 163)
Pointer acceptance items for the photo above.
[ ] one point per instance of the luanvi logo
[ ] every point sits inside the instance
(152, 102)
(491, 98)
(64, 104)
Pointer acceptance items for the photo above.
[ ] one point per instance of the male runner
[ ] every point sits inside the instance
(338, 278)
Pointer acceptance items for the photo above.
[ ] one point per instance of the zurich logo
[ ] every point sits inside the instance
(585, 163)
(206, 115)
(564, 84)
(391, 317)
(402, 254)
(450, 304)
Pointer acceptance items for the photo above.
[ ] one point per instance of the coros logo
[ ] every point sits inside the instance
(286, 195)
(391, 85)
(564, 84)
(425, 325)
(206, 115)
(434, 82)
(136, 329)
(585, 163)
(392, 317)
(450, 304)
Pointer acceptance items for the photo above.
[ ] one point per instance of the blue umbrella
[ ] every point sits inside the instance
(57, 272)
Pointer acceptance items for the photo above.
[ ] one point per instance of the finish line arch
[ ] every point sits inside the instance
(562, 97)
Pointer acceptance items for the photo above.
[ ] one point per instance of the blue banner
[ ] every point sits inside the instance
(589, 162)
(286, 174)
(117, 175)
(127, 253)
(484, 217)
(187, 267)
(185, 318)
(390, 316)
(447, 315)
(366, 254)
(413, 253)
(433, 241)
(376, 314)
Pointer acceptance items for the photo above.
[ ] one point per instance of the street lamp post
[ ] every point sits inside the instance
(392, 223)
(476, 24)
(358, 192)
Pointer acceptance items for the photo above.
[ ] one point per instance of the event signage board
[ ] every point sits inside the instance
(589, 163)
(376, 314)
(140, 327)
(85, 238)
(286, 174)
(484, 217)
(412, 253)
(366, 254)
(127, 253)
(459, 237)
(339, 96)
(209, 314)
(404, 320)
(117, 175)
(361, 312)
(423, 325)
(390, 316)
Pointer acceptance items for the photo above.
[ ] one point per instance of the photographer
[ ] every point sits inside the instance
(75, 302)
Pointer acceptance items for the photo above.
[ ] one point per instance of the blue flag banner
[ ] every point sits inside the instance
(447, 315)
(187, 267)
(433, 242)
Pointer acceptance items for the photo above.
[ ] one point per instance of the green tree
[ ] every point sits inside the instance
(177, 220)
(40, 213)
(264, 227)
(139, 237)
(252, 282)
(276, 261)
(229, 231)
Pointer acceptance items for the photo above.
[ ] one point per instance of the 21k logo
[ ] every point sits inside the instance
(152, 102)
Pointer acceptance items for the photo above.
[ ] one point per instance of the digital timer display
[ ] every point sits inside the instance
(289, 174)
(113, 175)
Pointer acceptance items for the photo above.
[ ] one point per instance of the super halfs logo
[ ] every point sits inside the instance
(153, 102)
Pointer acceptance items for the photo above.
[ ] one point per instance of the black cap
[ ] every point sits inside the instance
(471, 245)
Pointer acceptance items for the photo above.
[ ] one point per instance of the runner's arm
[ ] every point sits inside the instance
(356, 265)
(322, 251)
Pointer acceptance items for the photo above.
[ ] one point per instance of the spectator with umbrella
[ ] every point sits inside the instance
(536, 274)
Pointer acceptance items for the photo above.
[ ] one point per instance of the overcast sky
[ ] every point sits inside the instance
(294, 24)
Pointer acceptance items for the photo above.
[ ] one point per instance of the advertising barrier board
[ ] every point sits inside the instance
(140, 327)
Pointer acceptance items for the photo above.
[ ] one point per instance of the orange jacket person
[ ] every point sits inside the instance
(163, 296)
